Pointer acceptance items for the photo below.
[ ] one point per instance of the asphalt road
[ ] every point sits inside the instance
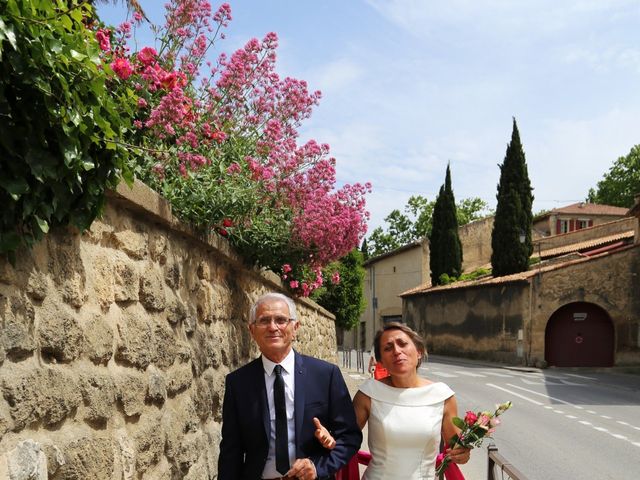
(565, 423)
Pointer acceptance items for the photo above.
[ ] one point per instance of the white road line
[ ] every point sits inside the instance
(572, 417)
(584, 422)
(622, 423)
(637, 444)
(514, 393)
(444, 374)
(558, 411)
(618, 436)
(469, 374)
(591, 411)
(606, 416)
(600, 429)
(547, 396)
(579, 376)
(496, 374)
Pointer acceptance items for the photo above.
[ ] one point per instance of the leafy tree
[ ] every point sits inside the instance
(513, 212)
(61, 126)
(444, 243)
(344, 299)
(415, 223)
(620, 184)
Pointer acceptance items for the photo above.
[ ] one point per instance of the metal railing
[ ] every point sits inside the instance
(349, 356)
(500, 468)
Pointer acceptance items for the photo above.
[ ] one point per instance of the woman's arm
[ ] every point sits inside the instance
(457, 454)
(362, 407)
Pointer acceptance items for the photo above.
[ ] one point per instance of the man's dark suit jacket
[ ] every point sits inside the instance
(320, 391)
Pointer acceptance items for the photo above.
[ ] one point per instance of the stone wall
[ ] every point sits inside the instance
(114, 345)
(476, 244)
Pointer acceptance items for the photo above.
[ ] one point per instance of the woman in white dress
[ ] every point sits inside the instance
(407, 414)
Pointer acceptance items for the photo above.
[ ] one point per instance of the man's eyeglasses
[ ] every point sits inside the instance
(280, 321)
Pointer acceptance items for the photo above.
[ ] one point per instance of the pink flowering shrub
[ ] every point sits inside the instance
(220, 142)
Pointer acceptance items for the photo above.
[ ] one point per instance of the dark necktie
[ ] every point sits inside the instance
(282, 441)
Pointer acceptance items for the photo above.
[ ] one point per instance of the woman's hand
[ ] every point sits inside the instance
(323, 435)
(459, 455)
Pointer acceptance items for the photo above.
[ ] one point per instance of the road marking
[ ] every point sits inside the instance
(558, 411)
(469, 374)
(496, 374)
(606, 416)
(583, 422)
(637, 444)
(516, 394)
(579, 376)
(444, 374)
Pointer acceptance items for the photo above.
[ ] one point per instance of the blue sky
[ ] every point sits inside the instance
(409, 85)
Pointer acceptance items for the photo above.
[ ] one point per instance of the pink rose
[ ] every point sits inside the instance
(470, 418)
(147, 56)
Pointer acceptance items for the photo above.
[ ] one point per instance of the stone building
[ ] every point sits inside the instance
(579, 307)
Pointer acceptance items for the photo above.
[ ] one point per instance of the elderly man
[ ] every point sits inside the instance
(268, 426)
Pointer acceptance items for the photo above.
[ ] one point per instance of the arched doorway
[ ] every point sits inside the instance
(579, 334)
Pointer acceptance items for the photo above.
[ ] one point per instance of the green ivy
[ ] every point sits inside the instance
(59, 125)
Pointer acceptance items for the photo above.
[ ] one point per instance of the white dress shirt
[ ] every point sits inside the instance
(288, 367)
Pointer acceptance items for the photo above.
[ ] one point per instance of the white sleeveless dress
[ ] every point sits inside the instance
(404, 430)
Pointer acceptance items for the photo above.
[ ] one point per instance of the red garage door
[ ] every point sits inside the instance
(579, 335)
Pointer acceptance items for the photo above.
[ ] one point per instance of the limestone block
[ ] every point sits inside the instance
(37, 286)
(166, 345)
(26, 461)
(103, 279)
(66, 266)
(59, 334)
(99, 394)
(55, 458)
(136, 343)
(204, 305)
(131, 393)
(158, 248)
(207, 397)
(179, 378)
(152, 294)
(98, 232)
(7, 272)
(88, 457)
(149, 440)
(127, 282)
(173, 275)
(98, 337)
(18, 317)
(6, 424)
(204, 270)
(205, 352)
(221, 306)
(133, 244)
(126, 455)
(176, 311)
(156, 386)
(178, 425)
(44, 394)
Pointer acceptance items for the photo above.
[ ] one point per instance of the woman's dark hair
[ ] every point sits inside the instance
(415, 338)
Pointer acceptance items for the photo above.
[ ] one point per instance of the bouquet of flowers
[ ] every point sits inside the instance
(474, 428)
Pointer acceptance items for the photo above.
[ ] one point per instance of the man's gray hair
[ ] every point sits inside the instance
(273, 297)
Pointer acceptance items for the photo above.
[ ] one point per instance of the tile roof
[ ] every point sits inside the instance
(580, 246)
(585, 208)
(521, 277)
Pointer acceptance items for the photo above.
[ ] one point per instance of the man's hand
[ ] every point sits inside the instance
(323, 435)
(302, 469)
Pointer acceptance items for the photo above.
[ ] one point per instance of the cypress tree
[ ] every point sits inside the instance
(513, 212)
(364, 250)
(445, 248)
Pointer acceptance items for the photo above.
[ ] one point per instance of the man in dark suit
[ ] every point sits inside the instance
(251, 416)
